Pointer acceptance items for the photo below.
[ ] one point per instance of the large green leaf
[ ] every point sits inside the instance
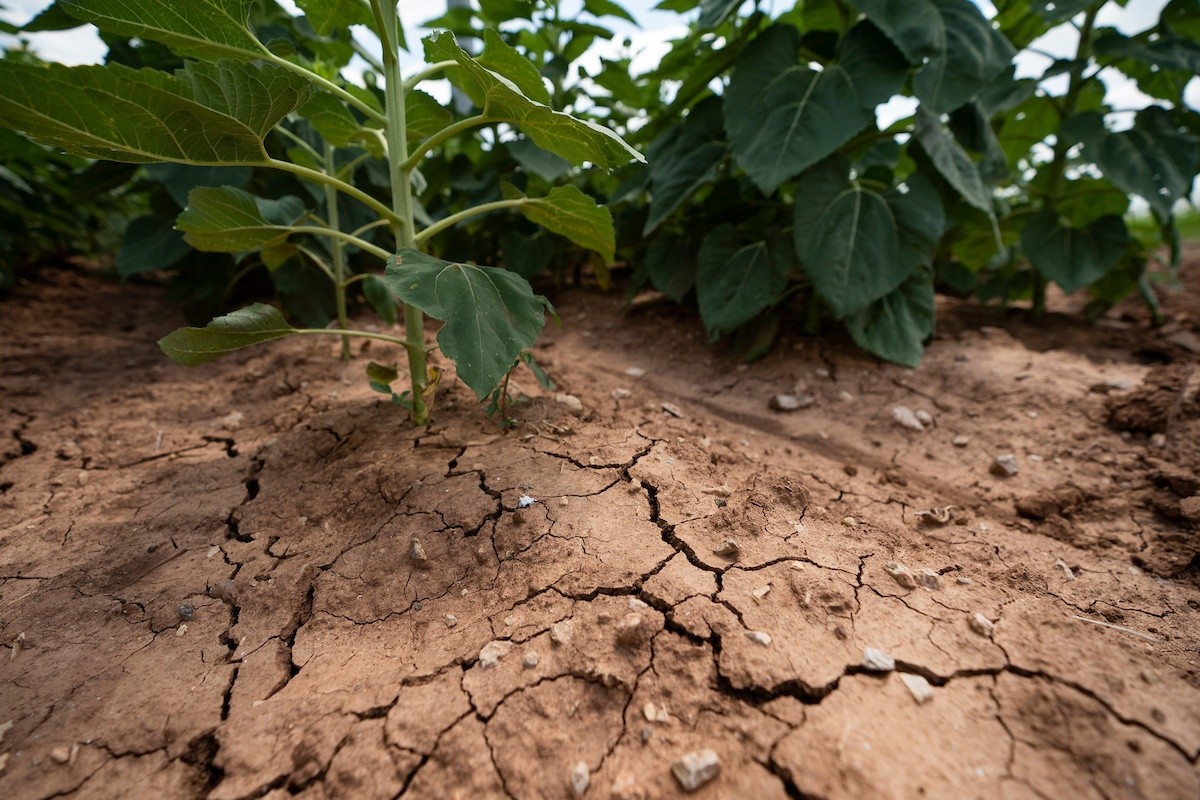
(199, 28)
(180, 179)
(1073, 257)
(896, 326)
(685, 158)
(574, 139)
(228, 220)
(920, 220)
(847, 240)
(958, 50)
(736, 279)
(783, 116)
(567, 211)
(951, 160)
(150, 243)
(1154, 160)
(242, 328)
(424, 116)
(534, 159)
(326, 15)
(213, 114)
(491, 314)
(504, 59)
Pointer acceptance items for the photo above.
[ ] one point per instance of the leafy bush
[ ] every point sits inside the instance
(237, 95)
(770, 180)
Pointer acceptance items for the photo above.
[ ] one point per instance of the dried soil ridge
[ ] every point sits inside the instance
(319, 657)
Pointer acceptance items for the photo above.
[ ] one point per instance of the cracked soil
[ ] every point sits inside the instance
(209, 585)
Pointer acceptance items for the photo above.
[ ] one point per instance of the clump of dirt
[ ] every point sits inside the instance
(255, 579)
(1167, 394)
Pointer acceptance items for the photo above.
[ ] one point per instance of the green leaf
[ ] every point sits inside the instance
(491, 314)
(896, 326)
(150, 244)
(569, 212)
(1154, 160)
(227, 220)
(381, 297)
(847, 240)
(526, 255)
(325, 15)
(574, 139)
(920, 220)
(242, 328)
(714, 12)
(52, 18)
(684, 159)
(670, 263)
(424, 116)
(958, 50)
(331, 118)
(736, 280)
(204, 114)
(1073, 257)
(783, 117)
(180, 179)
(607, 8)
(952, 161)
(504, 59)
(535, 160)
(198, 28)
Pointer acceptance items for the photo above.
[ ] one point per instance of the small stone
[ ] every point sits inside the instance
(493, 651)
(717, 491)
(510, 621)
(695, 769)
(918, 687)
(223, 590)
(621, 394)
(982, 625)
(416, 553)
(60, 755)
(905, 418)
(647, 733)
(451, 620)
(1158, 440)
(1070, 574)
(789, 402)
(531, 659)
(929, 579)
(562, 633)
(845, 396)
(924, 417)
(850, 522)
(571, 402)
(635, 372)
(759, 637)
(186, 612)
(963, 580)
(729, 548)
(877, 660)
(232, 421)
(961, 441)
(1189, 508)
(182, 629)
(761, 592)
(581, 778)
(632, 630)
(525, 501)
(902, 574)
(637, 605)
(417, 605)
(673, 410)
(83, 477)
(1004, 466)
(564, 501)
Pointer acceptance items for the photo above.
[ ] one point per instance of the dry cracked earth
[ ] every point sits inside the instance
(255, 579)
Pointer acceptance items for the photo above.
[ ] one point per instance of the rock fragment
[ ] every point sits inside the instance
(580, 778)
(635, 372)
(186, 612)
(877, 661)
(901, 574)
(451, 620)
(729, 549)
(905, 418)
(632, 630)
(562, 632)
(531, 659)
(759, 637)
(982, 625)
(672, 409)
(695, 769)
(924, 417)
(570, 402)
(1004, 466)
(1189, 508)
(918, 687)
(789, 402)
(929, 579)
(961, 441)
(60, 755)
(416, 554)
(493, 651)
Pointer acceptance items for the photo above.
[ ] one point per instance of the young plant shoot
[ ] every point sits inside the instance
(235, 92)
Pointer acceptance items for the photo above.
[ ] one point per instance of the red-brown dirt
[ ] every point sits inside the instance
(209, 584)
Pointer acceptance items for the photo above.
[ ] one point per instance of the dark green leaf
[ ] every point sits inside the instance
(607, 8)
(381, 297)
(228, 220)
(952, 161)
(683, 160)
(242, 328)
(737, 279)
(896, 326)
(847, 240)
(150, 243)
(567, 211)
(326, 15)
(1073, 257)
(424, 116)
(714, 12)
(670, 263)
(537, 161)
(52, 18)
(198, 28)
(491, 314)
(504, 59)
(180, 179)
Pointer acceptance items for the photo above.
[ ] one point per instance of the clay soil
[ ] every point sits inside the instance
(209, 585)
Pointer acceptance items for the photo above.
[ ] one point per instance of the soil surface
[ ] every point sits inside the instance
(256, 579)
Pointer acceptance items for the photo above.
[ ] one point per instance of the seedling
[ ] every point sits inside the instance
(235, 90)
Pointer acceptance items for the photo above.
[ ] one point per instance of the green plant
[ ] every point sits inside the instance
(230, 101)
(778, 189)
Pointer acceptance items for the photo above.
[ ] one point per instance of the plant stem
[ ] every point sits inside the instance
(342, 236)
(454, 219)
(445, 133)
(328, 85)
(339, 252)
(320, 262)
(425, 74)
(387, 19)
(343, 187)
(383, 337)
(1058, 165)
